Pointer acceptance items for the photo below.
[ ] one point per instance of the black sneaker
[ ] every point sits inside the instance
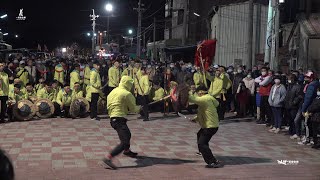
(217, 164)
(109, 163)
(130, 154)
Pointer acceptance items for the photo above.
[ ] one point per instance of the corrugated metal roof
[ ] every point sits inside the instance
(311, 25)
(226, 2)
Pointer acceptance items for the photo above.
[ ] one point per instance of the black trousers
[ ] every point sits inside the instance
(221, 109)
(315, 128)
(3, 100)
(265, 110)
(157, 107)
(65, 112)
(203, 138)
(94, 105)
(143, 101)
(120, 125)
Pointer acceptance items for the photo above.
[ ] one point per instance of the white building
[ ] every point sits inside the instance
(229, 26)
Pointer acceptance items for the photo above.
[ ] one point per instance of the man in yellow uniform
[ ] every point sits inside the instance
(59, 72)
(198, 78)
(94, 90)
(63, 101)
(216, 89)
(40, 85)
(86, 77)
(23, 74)
(129, 70)
(4, 91)
(75, 76)
(30, 90)
(77, 92)
(46, 92)
(158, 95)
(14, 98)
(144, 88)
(208, 119)
(114, 76)
(120, 101)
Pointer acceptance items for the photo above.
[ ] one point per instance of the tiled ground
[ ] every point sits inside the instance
(72, 149)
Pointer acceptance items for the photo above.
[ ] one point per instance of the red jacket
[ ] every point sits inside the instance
(265, 84)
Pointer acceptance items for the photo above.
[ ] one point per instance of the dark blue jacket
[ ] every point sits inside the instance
(310, 95)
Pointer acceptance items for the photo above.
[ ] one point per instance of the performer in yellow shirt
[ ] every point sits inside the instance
(114, 76)
(144, 87)
(4, 91)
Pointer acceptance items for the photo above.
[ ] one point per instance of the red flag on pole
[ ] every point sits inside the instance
(205, 53)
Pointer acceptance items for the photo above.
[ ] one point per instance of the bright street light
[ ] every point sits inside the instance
(4, 16)
(64, 50)
(130, 31)
(109, 7)
(95, 34)
(88, 34)
(6, 34)
(196, 14)
(16, 36)
(281, 1)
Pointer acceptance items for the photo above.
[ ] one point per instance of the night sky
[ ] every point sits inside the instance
(60, 22)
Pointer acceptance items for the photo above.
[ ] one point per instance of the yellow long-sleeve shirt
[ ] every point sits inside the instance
(198, 79)
(74, 78)
(43, 93)
(4, 81)
(144, 86)
(87, 72)
(114, 77)
(59, 73)
(23, 75)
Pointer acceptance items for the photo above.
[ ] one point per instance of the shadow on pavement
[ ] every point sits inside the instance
(238, 120)
(145, 161)
(238, 160)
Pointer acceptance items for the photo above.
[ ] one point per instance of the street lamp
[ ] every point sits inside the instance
(196, 14)
(16, 36)
(130, 31)
(109, 8)
(6, 34)
(88, 34)
(4, 16)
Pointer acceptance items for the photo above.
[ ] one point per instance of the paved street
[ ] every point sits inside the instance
(72, 149)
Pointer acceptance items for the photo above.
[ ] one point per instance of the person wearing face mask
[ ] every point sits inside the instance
(265, 84)
(114, 76)
(314, 113)
(4, 91)
(292, 104)
(198, 77)
(238, 77)
(310, 93)
(276, 100)
(250, 84)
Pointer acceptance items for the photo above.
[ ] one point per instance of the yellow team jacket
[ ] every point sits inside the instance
(129, 71)
(87, 72)
(144, 85)
(42, 93)
(114, 77)
(158, 94)
(74, 78)
(95, 84)
(207, 115)
(76, 94)
(121, 101)
(4, 84)
(198, 79)
(59, 73)
(23, 75)
(216, 87)
(64, 98)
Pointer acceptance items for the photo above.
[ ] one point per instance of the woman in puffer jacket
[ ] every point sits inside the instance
(314, 111)
(276, 101)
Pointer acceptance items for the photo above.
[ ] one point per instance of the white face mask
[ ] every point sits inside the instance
(263, 73)
(249, 76)
(318, 93)
(239, 71)
(289, 81)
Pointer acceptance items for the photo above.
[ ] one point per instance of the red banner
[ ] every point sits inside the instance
(205, 52)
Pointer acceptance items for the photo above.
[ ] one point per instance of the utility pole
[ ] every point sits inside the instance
(276, 62)
(250, 34)
(184, 26)
(93, 19)
(269, 33)
(154, 39)
(139, 10)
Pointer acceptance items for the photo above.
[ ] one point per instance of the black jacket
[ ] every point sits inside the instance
(314, 108)
(294, 96)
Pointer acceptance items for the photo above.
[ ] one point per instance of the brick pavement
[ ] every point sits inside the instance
(72, 149)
